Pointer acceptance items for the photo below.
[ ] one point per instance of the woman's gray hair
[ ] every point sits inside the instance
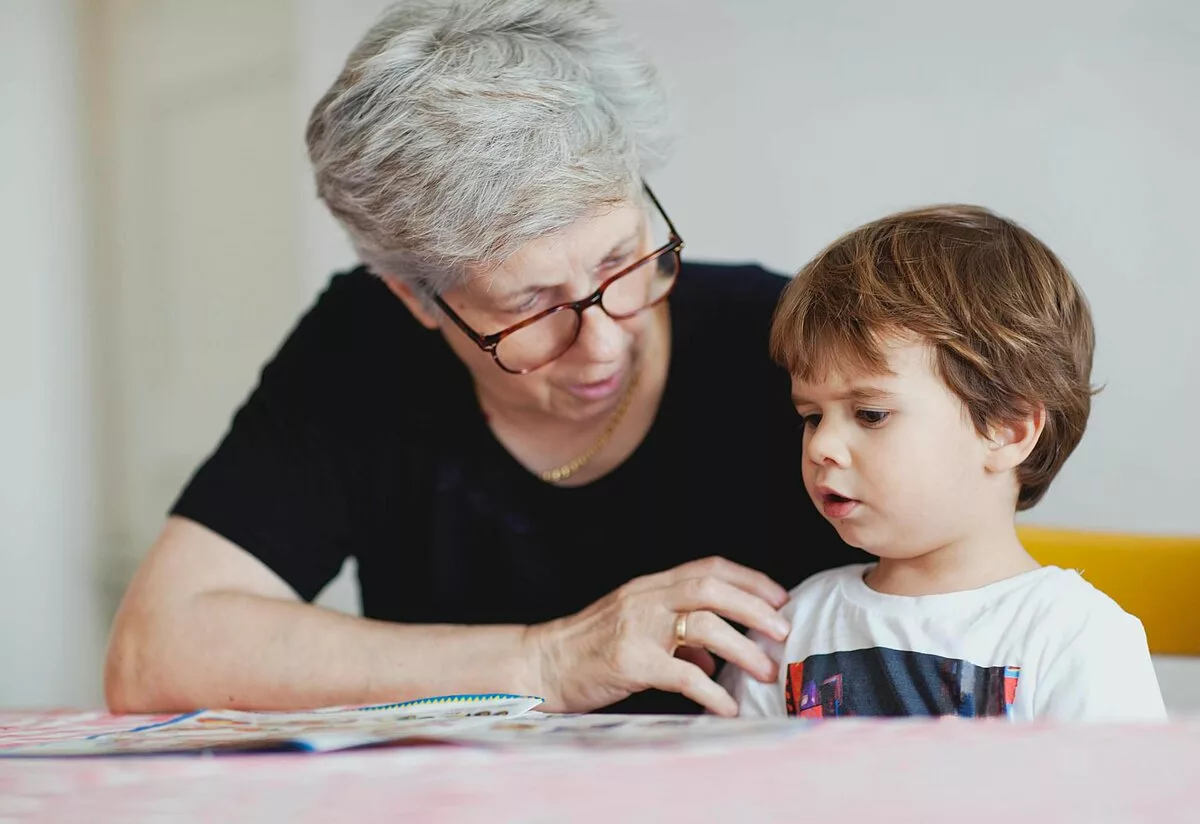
(459, 130)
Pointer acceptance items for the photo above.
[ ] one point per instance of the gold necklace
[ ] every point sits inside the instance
(568, 469)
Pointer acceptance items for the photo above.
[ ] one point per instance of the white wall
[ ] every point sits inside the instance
(325, 32)
(50, 630)
(1079, 118)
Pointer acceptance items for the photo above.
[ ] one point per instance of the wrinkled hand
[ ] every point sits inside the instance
(625, 642)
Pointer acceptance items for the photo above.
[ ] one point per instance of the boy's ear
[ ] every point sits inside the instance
(1010, 443)
(403, 291)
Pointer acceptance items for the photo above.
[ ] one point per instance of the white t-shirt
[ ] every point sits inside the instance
(1043, 644)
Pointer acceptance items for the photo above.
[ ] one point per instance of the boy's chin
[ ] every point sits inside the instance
(852, 535)
(870, 541)
(861, 534)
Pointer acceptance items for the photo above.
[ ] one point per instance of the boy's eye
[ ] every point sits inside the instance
(811, 421)
(872, 417)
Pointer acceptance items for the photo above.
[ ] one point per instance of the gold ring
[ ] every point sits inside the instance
(681, 629)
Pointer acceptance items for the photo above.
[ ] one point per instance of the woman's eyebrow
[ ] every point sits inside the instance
(502, 298)
(623, 244)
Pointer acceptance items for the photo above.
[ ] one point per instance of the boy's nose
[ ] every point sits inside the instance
(825, 447)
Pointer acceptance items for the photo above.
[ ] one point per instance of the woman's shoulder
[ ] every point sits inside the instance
(717, 284)
(724, 311)
(355, 305)
(355, 344)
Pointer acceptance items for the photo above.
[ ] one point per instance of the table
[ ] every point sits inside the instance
(844, 770)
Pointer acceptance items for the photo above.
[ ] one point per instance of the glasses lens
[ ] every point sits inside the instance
(540, 342)
(642, 287)
(647, 284)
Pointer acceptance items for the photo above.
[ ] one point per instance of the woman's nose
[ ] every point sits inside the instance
(600, 337)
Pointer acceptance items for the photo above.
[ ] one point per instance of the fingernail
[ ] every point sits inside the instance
(783, 628)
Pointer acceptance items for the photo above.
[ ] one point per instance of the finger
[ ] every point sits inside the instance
(727, 600)
(682, 677)
(742, 577)
(709, 631)
(698, 656)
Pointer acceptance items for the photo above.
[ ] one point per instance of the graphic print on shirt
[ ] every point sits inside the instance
(889, 682)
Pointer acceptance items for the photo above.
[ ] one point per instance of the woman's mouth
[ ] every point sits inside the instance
(597, 390)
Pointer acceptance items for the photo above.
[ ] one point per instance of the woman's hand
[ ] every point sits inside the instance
(625, 642)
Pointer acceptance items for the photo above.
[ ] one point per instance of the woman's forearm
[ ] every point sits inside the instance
(237, 650)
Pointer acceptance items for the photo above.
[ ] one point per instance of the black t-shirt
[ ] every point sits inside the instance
(364, 438)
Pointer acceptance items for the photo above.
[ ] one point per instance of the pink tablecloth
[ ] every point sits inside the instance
(844, 771)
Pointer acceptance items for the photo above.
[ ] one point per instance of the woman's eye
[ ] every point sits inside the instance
(526, 305)
(872, 417)
(616, 262)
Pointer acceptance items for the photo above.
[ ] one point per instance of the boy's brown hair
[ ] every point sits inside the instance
(1010, 327)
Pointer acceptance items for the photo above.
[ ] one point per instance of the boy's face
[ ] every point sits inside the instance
(892, 460)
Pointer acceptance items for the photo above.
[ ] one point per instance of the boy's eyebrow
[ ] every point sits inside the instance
(857, 393)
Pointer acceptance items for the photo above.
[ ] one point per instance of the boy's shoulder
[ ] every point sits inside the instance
(1062, 601)
(1077, 637)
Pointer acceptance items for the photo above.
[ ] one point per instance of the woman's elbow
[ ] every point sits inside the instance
(136, 678)
(121, 692)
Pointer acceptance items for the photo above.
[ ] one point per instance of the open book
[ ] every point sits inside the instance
(495, 720)
(333, 728)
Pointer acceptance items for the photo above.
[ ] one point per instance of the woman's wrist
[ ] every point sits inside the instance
(536, 643)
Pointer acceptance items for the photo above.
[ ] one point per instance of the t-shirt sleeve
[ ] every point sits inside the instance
(1102, 673)
(754, 698)
(280, 483)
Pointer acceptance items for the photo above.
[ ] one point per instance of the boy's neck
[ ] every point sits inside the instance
(970, 563)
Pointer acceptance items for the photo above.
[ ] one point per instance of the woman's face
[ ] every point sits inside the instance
(589, 379)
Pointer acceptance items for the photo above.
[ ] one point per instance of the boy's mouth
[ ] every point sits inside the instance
(836, 505)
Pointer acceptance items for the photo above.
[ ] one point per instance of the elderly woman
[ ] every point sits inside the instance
(523, 416)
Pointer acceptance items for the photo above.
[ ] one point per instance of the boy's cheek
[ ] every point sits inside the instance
(809, 484)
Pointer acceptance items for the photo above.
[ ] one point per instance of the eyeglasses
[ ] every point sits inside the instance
(546, 336)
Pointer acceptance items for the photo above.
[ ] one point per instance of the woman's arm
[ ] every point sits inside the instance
(205, 624)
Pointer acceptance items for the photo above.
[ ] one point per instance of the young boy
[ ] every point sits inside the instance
(941, 363)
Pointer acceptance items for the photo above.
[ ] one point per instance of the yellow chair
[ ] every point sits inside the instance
(1156, 578)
